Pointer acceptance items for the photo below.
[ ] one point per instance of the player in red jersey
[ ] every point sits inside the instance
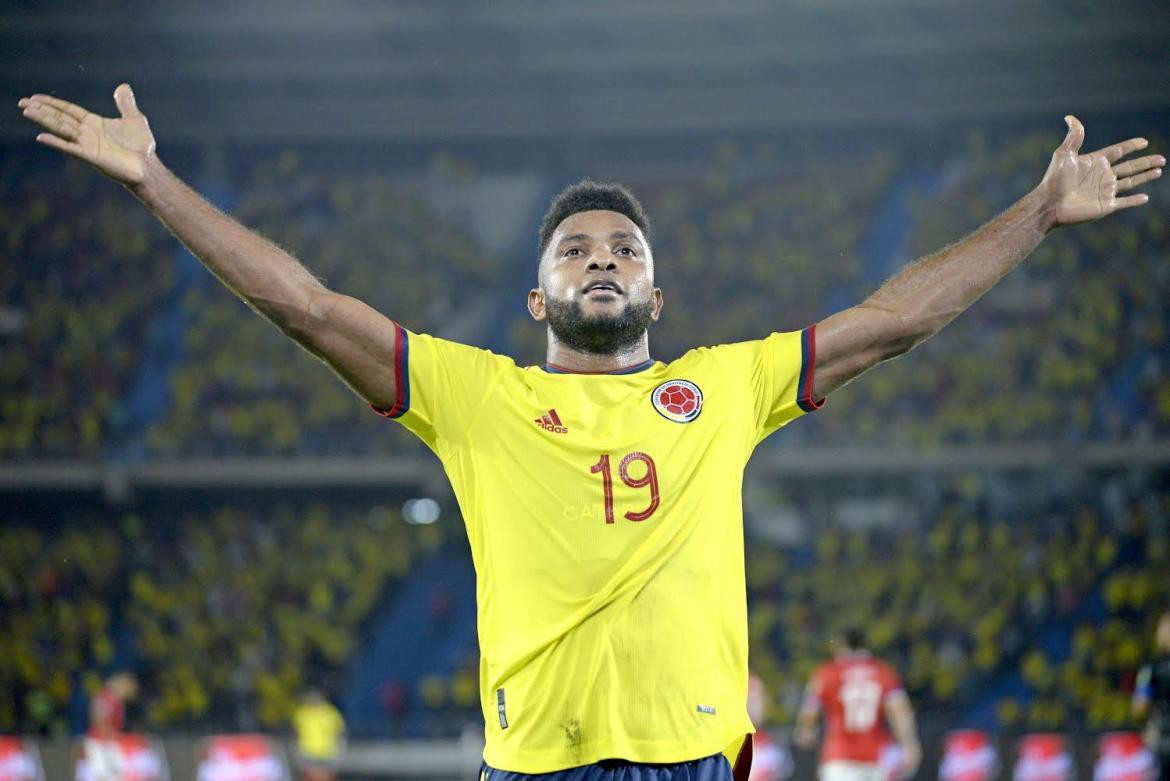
(107, 718)
(858, 695)
(107, 710)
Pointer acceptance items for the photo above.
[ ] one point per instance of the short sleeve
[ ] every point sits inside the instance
(781, 378)
(441, 386)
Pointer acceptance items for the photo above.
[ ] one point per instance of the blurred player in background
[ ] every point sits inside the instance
(858, 695)
(1151, 698)
(602, 491)
(771, 760)
(320, 736)
(107, 720)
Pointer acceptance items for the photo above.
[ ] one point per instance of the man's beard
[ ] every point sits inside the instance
(597, 334)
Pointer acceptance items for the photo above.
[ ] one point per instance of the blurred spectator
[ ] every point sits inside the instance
(83, 275)
(56, 588)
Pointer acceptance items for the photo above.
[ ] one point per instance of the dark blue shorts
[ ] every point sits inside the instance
(712, 768)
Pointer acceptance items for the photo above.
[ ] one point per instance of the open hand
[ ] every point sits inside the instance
(119, 148)
(1080, 187)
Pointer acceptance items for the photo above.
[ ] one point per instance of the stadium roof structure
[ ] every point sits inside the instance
(360, 69)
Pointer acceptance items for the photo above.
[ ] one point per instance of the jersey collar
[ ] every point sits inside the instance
(552, 368)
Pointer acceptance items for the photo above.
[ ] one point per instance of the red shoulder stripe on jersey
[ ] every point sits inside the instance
(401, 376)
(808, 364)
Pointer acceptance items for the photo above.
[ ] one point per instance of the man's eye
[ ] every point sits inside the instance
(627, 250)
(572, 252)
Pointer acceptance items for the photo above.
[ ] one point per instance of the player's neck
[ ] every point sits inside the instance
(565, 358)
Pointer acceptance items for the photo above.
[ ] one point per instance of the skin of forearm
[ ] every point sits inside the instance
(270, 280)
(932, 291)
(905, 734)
(905, 730)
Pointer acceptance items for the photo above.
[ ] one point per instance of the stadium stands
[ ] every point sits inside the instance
(243, 388)
(85, 274)
(759, 238)
(972, 600)
(237, 610)
(229, 610)
(58, 588)
(1066, 348)
(1090, 678)
(754, 239)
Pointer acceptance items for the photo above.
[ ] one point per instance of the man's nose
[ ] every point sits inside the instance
(602, 264)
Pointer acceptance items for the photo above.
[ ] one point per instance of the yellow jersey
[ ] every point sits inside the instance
(604, 513)
(319, 729)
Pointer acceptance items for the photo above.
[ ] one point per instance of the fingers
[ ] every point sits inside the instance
(1130, 200)
(124, 98)
(68, 147)
(1132, 167)
(63, 106)
(1131, 182)
(1076, 135)
(53, 119)
(1118, 151)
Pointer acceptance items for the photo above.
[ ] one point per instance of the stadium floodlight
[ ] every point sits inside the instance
(420, 511)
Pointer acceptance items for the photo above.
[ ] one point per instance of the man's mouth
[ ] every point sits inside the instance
(602, 287)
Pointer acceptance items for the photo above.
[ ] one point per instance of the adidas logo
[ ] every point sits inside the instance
(550, 421)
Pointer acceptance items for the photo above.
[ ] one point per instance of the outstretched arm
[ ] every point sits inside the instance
(356, 341)
(917, 302)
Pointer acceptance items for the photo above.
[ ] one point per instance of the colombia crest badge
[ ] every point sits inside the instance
(680, 401)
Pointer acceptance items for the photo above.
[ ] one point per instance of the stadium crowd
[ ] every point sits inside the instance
(228, 613)
(244, 389)
(1070, 347)
(1090, 681)
(751, 240)
(971, 600)
(58, 590)
(83, 273)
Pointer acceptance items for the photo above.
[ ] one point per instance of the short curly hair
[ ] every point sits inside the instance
(588, 195)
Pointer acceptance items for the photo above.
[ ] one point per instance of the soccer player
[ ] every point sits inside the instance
(320, 736)
(858, 694)
(1151, 698)
(107, 718)
(600, 490)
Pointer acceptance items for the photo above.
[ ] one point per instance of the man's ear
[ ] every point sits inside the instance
(656, 310)
(536, 304)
